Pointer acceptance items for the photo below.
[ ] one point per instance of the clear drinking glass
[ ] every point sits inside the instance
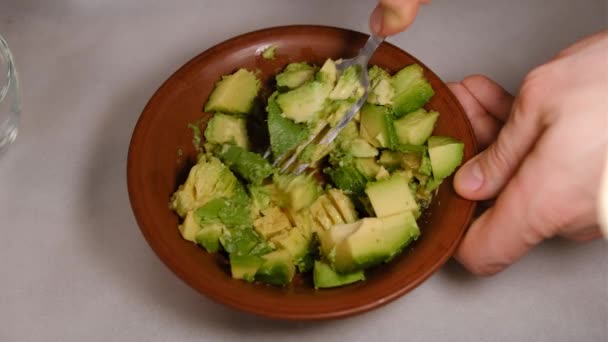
(10, 102)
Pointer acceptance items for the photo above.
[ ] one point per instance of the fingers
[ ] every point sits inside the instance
(487, 173)
(393, 16)
(490, 95)
(485, 126)
(501, 235)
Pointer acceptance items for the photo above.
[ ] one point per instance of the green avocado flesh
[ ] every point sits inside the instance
(354, 208)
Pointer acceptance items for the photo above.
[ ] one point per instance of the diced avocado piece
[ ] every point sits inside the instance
(269, 52)
(272, 222)
(189, 227)
(295, 74)
(336, 110)
(425, 165)
(325, 277)
(328, 73)
(209, 237)
(303, 103)
(348, 85)
(377, 126)
(332, 212)
(412, 90)
(347, 178)
(277, 269)
(236, 211)
(227, 129)
(344, 205)
(208, 179)
(416, 127)
(234, 93)
(376, 240)
(390, 159)
(284, 133)
(245, 266)
(382, 173)
(360, 148)
(432, 184)
(330, 238)
(445, 154)
(391, 196)
(240, 240)
(381, 88)
(297, 192)
(320, 215)
(367, 166)
(249, 165)
(263, 196)
(303, 221)
(294, 242)
(411, 161)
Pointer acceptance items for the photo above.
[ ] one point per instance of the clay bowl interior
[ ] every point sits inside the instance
(156, 168)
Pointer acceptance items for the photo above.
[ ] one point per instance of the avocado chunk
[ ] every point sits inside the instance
(297, 192)
(295, 243)
(325, 277)
(348, 85)
(343, 203)
(234, 94)
(347, 178)
(208, 179)
(303, 103)
(367, 166)
(328, 73)
(425, 165)
(330, 238)
(416, 127)
(227, 129)
(391, 196)
(277, 268)
(377, 240)
(446, 155)
(377, 126)
(390, 159)
(209, 237)
(360, 148)
(245, 266)
(412, 90)
(249, 165)
(320, 215)
(381, 89)
(189, 228)
(284, 133)
(295, 74)
(272, 222)
(269, 52)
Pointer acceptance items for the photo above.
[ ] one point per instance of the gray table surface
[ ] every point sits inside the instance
(73, 264)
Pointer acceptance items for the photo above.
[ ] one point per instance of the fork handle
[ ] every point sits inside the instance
(367, 51)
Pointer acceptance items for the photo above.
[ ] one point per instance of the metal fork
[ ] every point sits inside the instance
(362, 60)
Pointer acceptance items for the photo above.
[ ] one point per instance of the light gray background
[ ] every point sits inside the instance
(73, 265)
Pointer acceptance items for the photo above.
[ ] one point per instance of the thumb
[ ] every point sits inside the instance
(485, 175)
(393, 16)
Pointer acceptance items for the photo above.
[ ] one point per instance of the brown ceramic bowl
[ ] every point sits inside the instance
(155, 169)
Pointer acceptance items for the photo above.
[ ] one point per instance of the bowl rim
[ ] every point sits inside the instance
(136, 200)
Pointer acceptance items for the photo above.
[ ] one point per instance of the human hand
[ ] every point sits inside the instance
(393, 16)
(547, 148)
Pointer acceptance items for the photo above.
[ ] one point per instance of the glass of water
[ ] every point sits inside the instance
(10, 102)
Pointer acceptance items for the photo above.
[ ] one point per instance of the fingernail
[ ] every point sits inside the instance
(470, 177)
(376, 20)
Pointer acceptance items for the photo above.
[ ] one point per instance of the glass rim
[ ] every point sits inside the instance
(5, 52)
